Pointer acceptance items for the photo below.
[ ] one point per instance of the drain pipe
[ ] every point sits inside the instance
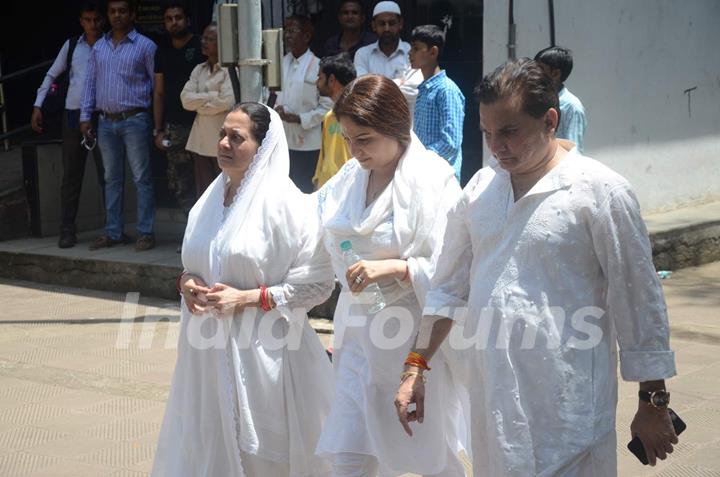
(250, 50)
(511, 31)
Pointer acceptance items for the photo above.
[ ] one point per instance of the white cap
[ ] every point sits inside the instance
(386, 6)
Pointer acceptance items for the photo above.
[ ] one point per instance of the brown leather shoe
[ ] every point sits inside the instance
(105, 242)
(145, 242)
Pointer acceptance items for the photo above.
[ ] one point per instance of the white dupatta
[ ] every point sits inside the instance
(265, 195)
(422, 190)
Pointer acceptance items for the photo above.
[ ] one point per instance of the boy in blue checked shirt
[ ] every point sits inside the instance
(440, 106)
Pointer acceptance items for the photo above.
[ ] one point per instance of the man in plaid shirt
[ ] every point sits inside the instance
(440, 106)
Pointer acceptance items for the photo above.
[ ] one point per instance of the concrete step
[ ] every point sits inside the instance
(685, 237)
(681, 238)
(119, 268)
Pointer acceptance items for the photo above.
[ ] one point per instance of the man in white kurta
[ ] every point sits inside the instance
(299, 104)
(546, 266)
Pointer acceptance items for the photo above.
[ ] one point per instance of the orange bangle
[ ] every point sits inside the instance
(416, 359)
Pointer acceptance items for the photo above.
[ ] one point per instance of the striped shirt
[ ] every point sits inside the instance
(438, 118)
(119, 77)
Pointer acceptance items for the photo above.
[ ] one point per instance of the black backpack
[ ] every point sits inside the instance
(54, 104)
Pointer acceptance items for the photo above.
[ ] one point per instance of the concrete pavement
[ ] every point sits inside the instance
(82, 393)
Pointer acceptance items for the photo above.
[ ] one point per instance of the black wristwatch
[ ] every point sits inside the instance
(659, 399)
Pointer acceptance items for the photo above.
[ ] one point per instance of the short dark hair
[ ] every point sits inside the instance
(259, 116)
(359, 3)
(557, 57)
(341, 66)
(376, 102)
(91, 7)
(175, 4)
(130, 4)
(526, 79)
(431, 35)
(303, 20)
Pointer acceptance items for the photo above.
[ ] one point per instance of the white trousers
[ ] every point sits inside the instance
(255, 466)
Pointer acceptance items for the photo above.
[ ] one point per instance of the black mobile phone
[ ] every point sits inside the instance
(636, 447)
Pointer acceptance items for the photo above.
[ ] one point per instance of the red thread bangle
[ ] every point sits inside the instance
(407, 272)
(267, 299)
(264, 301)
(263, 305)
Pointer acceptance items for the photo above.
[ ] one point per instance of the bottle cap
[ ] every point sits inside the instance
(345, 245)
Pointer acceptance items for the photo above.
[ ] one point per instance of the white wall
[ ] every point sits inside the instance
(633, 61)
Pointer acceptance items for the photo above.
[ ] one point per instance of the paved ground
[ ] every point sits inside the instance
(82, 393)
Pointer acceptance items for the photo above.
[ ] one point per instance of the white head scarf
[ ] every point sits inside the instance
(266, 180)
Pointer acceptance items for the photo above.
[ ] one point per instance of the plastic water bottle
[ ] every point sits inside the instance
(351, 258)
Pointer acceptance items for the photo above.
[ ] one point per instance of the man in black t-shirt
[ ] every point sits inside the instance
(175, 59)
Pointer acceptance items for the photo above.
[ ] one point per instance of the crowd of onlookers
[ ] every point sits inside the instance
(127, 94)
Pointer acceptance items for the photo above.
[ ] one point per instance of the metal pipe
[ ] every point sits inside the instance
(25, 71)
(551, 15)
(250, 49)
(232, 72)
(6, 143)
(511, 30)
(9, 134)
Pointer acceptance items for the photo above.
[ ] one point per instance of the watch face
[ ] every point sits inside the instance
(660, 398)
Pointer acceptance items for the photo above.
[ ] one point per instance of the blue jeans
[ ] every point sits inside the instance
(117, 140)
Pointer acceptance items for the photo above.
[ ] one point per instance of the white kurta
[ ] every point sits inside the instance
(242, 397)
(300, 96)
(541, 364)
(370, 350)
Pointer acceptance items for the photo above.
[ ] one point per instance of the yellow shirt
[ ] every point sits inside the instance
(333, 151)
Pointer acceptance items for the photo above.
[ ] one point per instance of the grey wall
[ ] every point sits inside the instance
(633, 62)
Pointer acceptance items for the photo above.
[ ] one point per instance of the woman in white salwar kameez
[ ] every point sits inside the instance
(389, 201)
(252, 385)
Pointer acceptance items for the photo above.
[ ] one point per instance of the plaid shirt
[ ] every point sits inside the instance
(438, 119)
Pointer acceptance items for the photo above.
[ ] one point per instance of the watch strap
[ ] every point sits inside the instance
(647, 396)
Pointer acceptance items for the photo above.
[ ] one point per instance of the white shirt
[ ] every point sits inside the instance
(541, 366)
(370, 59)
(209, 93)
(78, 69)
(300, 96)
